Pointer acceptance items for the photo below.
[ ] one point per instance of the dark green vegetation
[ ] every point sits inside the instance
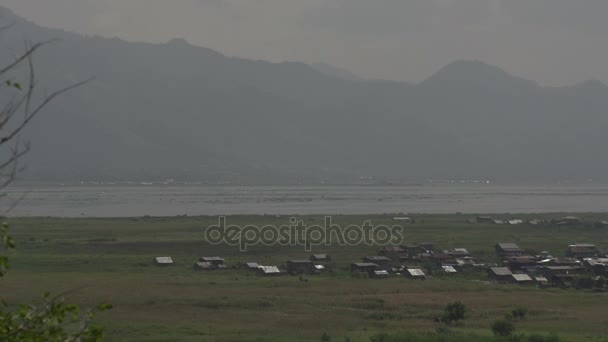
(177, 111)
(110, 261)
(51, 319)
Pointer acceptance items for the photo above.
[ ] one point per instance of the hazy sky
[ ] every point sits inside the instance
(552, 41)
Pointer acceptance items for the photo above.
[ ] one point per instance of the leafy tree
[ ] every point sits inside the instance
(503, 328)
(519, 312)
(585, 283)
(6, 243)
(52, 319)
(454, 312)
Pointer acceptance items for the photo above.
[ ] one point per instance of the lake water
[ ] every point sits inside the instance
(165, 200)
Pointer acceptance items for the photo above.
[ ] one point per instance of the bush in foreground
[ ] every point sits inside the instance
(503, 328)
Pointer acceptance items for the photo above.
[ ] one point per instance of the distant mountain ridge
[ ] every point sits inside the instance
(336, 72)
(178, 111)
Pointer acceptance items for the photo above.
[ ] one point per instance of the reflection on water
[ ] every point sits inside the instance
(115, 201)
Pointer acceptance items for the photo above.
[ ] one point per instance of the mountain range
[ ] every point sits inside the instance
(177, 111)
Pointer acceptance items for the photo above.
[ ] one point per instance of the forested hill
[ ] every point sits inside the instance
(178, 111)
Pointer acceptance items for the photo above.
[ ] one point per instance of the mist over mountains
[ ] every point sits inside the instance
(177, 111)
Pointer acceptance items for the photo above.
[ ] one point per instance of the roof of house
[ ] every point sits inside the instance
(515, 222)
(501, 271)
(320, 256)
(581, 249)
(449, 269)
(319, 267)
(582, 246)
(597, 261)
(252, 265)
(269, 269)
(395, 249)
(466, 261)
(442, 256)
(299, 261)
(204, 265)
(522, 259)
(456, 252)
(365, 264)
(210, 259)
(381, 272)
(559, 268)
(562, 261)
(412, 245)
(498, 221)
(415, 272)
(541, 279)
(508, 246)
(521, 277)
(164, 260)
(377, 258)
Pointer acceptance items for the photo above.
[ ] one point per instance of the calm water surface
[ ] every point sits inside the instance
(157, 200)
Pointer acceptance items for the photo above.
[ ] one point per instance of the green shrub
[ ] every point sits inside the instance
(454, 312)
(519, 313)
(503, 328)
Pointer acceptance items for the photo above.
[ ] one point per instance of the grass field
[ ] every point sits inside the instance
(110, 261)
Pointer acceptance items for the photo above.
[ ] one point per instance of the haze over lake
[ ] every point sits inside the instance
(169, 200)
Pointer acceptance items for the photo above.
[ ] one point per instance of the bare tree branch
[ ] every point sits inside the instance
(10, 126)
(25, 55)
(45, 102)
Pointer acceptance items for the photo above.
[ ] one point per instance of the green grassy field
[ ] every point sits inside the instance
(110, 261)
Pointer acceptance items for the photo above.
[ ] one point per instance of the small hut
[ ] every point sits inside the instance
(164, 261)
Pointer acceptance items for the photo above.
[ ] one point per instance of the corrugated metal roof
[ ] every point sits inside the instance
(500, 270)
(415, 272)
(449, 269)
(299, 262)
(522, 277)
(164, 260)
(204, 265)
(522, 259)
(596, 261)
(559, 268)
(269, 269)
(377, 258)
(209, 259)
(319, 267)
(508, 246)
(365, 264)
(392, 249)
